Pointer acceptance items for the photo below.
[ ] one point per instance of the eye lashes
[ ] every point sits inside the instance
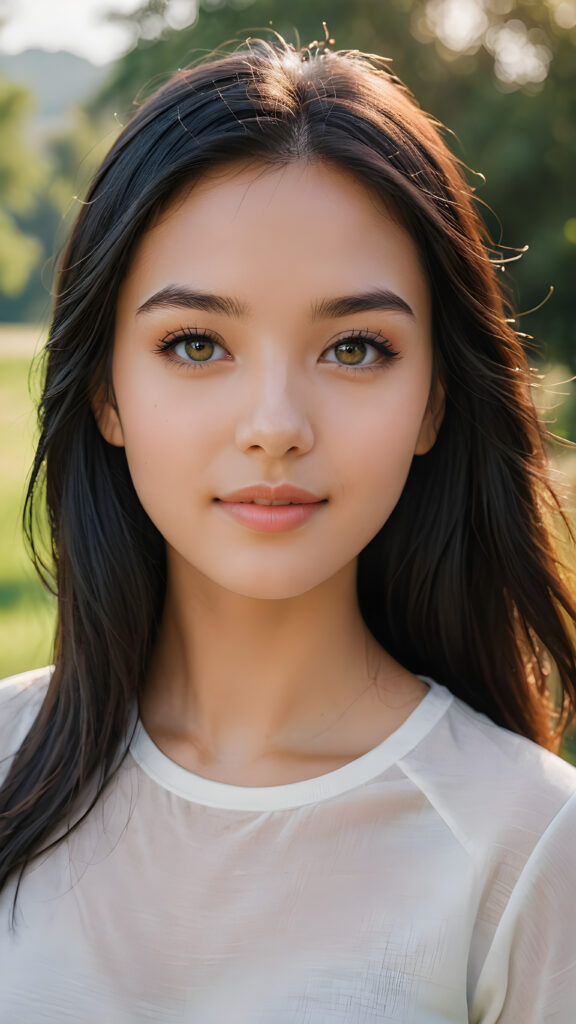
(380, 343)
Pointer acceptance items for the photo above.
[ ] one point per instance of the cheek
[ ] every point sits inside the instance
(168, 441)
(382, 431)
(375, 450)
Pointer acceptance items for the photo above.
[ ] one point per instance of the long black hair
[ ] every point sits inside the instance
(462, 583)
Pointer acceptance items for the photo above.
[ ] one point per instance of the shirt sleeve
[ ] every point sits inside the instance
(529, 974)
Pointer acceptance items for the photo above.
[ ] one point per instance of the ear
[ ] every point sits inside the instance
(106, 415)
(432, 419)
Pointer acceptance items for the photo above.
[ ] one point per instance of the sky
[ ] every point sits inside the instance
(75, 25)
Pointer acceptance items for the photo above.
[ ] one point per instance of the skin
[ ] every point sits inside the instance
(264, 672)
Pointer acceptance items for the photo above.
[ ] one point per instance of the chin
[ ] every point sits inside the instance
(272, 581)
(278, 589)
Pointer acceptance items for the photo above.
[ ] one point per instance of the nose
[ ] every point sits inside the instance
(274, 419)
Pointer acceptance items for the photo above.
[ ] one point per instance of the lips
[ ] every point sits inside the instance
(296, 508)
(284, 494)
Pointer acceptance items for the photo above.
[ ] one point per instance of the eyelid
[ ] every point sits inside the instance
(182, 333)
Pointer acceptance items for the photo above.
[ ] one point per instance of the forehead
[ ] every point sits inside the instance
(286, 234)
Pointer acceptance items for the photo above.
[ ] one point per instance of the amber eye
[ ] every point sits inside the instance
(199, 349)
(351, 352)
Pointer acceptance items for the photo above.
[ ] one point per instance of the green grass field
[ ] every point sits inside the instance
(27, 612)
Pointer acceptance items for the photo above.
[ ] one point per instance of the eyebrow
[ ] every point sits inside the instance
(375, 299)
(179, 297)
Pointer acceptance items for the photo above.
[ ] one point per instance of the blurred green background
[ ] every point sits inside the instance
(500, 74)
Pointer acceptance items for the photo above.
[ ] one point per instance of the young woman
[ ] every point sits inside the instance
(296, 758)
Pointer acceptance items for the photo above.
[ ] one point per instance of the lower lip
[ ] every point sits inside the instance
(271, 518)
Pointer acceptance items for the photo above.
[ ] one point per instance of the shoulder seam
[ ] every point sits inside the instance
(462, 840)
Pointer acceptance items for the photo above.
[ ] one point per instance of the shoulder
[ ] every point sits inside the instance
(494, 788)
(496, 753)
(21, 697)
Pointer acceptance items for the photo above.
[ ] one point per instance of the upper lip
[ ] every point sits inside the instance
(283, 492)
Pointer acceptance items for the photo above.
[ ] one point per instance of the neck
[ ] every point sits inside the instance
(241, 678)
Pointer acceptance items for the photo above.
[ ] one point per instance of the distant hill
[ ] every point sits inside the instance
(55, 79)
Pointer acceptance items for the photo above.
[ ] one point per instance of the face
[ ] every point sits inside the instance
(312, 370)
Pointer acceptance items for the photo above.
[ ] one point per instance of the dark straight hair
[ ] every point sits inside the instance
(463, 581)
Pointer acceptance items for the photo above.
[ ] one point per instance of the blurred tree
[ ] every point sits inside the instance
(71, 157)
(21, 176)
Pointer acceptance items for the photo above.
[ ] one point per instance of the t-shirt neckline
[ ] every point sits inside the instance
(198, 789)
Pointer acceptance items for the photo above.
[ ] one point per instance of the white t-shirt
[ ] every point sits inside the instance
(431, 880)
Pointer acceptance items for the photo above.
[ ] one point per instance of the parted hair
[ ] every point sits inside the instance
(464, 581)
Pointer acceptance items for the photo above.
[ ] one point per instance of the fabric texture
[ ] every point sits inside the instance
(432, 880)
